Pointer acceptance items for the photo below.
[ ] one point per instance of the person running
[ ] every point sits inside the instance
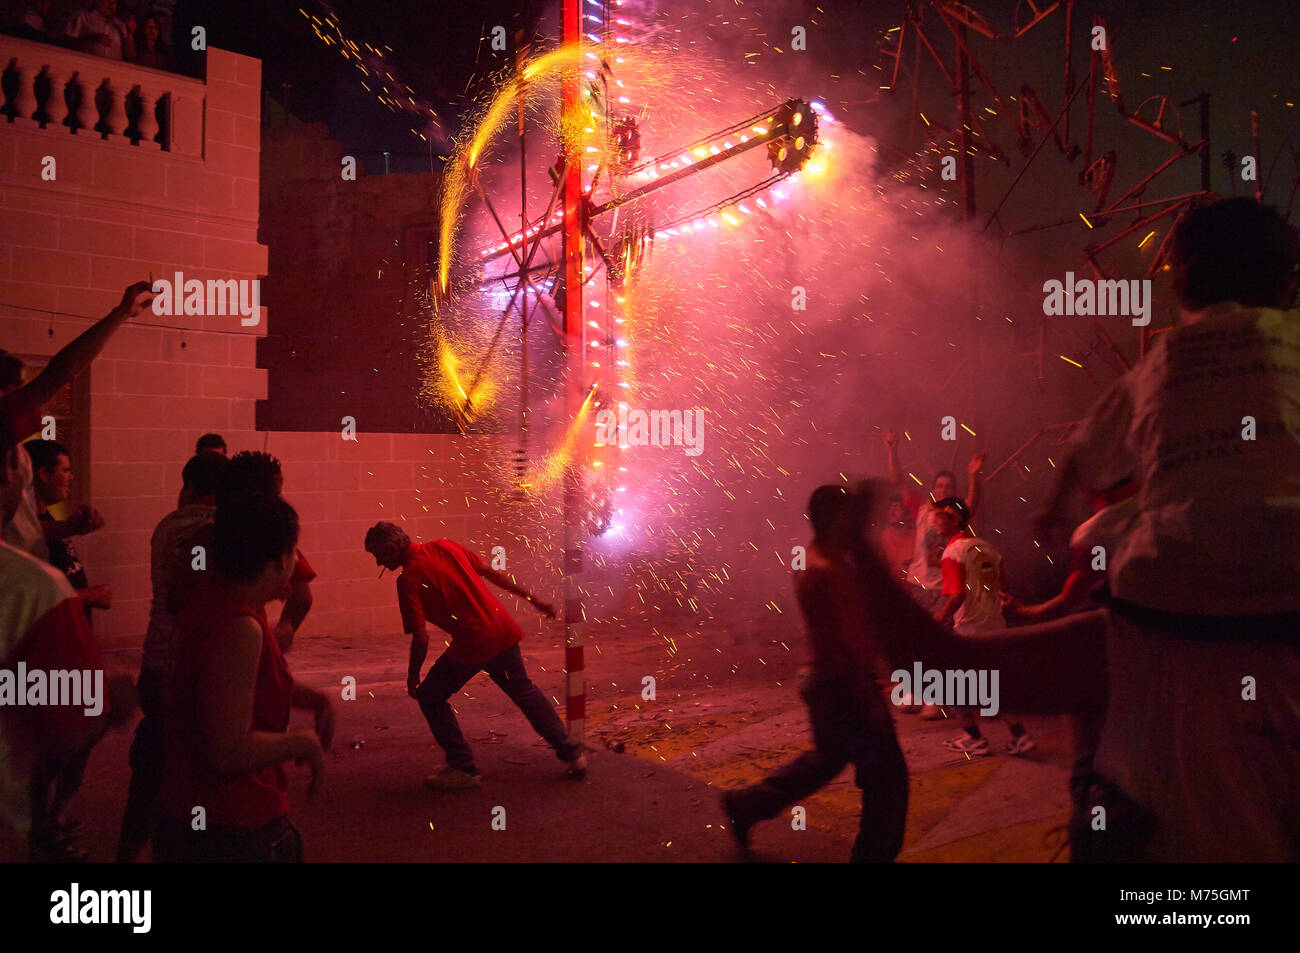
(442, 585)
(227, 702)
(972, 602)
(851, 723)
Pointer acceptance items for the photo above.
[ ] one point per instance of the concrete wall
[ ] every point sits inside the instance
(117, 212)
(114, 213)
(349, 266)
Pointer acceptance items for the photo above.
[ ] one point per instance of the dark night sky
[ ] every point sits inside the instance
(438, 50)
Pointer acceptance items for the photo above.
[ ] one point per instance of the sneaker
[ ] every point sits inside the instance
(578, 767)
(739, 829)
(453, 779)
(931, 712)
(968, 745)
(1022, 745)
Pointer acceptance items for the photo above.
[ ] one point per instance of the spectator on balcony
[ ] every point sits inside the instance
(100, 32)
(149, 49)
(35, 24)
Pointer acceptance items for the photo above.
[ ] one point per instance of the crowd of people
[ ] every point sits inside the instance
(1174, 643)
(136, 32)
(1176, 655)
(215, 693)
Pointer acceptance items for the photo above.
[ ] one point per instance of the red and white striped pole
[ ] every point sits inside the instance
(575, 391)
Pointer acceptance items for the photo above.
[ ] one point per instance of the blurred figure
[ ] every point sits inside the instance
(149, 50)
(44, 747)
(35, 24)
(52, 466)
(441, 584)
(898, 538)
(1204, 643)
(21, 403)
(972, 591)
(851, 723)
(100, 32)
(1084, 589)
(251, 472)
(171, 546)
(227, 701)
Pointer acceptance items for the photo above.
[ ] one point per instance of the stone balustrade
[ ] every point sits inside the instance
(65, 92)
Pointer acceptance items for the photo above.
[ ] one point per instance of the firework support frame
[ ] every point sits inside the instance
(575, 359)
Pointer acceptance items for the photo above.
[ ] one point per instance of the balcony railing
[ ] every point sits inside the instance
(67, 92)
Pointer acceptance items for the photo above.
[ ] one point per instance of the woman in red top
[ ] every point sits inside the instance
(228, 698)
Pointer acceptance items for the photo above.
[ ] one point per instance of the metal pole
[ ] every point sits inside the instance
(575, 354)
(1259, 159)
(521, 455)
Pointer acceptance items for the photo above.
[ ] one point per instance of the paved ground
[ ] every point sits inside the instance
(726, 712)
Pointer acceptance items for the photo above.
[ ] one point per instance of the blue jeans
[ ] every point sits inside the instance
(446, 678)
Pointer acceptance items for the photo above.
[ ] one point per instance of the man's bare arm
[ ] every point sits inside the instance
(76, 356)
(509, 585)
(1053, 668)
(292, 615)
(419, 649)
(950, 606)
(895, 469)
(976, 483)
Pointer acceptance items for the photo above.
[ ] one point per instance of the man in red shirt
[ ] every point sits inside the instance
(442, 584)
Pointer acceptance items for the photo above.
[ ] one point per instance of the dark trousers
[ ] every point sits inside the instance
(174, 842)
(54, 781)
(146, 769)
(446, 678)
(847, 729)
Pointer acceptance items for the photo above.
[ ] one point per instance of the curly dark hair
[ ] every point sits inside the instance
(251, 531)
(248, 472)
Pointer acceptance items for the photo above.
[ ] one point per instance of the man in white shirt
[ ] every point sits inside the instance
(99, 31)
(1204, 643)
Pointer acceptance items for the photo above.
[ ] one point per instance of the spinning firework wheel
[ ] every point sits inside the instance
(572, 264)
